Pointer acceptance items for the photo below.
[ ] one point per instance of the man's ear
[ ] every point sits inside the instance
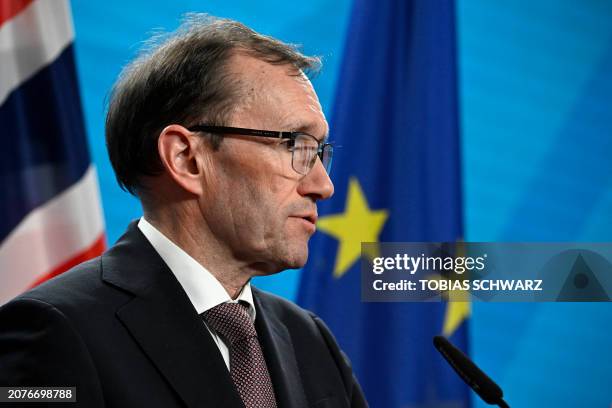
(179, 151)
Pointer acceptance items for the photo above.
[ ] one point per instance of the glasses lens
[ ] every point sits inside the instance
(326, 157)
(305, 151)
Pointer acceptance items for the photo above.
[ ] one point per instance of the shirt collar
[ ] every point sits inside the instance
(202, 288)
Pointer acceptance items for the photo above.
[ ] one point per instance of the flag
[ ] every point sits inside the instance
(397, 179)
(49, 199)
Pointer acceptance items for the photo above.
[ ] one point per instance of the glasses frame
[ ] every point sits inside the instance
(289, 136)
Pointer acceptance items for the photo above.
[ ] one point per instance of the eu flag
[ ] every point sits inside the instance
(397, 178)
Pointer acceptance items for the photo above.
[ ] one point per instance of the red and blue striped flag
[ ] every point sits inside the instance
(50, 210)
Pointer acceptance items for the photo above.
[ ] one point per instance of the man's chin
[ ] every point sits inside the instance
(294, 261)
(301, 256)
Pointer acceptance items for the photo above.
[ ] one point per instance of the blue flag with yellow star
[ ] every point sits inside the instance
(397, 179)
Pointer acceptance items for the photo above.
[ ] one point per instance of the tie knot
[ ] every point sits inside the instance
(231, 321)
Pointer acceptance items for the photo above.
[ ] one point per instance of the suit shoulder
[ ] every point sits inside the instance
(78, 281)
(78, 294)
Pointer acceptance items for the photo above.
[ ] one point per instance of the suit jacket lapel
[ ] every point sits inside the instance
(163, 321)
(279, 354)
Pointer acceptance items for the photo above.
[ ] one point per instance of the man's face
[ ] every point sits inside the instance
(258, 208)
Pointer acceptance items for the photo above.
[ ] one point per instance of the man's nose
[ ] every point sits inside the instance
(316, 183)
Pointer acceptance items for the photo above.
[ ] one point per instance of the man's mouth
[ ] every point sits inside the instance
(310, 219)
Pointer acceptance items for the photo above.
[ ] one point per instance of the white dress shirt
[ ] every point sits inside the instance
(202, 288)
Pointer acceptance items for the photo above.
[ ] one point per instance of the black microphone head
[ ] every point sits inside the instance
(486, 388)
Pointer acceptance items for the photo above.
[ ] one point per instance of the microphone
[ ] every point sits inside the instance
(485, 387)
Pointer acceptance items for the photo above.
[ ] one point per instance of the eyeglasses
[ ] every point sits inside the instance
(304, 147)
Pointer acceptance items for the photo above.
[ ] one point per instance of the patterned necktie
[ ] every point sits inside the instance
(247, 365)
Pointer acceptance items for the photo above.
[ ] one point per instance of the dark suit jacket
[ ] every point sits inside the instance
(122, 330)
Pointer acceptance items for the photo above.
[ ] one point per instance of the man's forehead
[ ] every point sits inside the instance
(281, 85)
(253, 68)
(258, 75)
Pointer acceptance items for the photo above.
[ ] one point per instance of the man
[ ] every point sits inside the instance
(219, 133)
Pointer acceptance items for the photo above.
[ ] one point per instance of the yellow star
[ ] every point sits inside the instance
(456, 313)
(356, 225)
(458, 307)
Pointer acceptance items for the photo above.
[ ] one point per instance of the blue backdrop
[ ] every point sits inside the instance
(535, 102)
